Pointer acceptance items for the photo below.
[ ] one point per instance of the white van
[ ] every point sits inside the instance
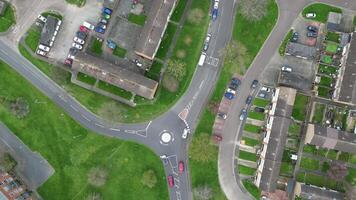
(185, 133)
(88, 25)
(202, 59)
(43, 48)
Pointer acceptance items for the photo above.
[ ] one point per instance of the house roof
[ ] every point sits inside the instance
(48, 30)
(348, 84)
(2, 7)
(334, 20)
(312, 192)
(331, 138)
(115, 75)
(301, 50)
(153, 30)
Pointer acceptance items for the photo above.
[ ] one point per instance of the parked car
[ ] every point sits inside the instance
(310, 15)
(99, 30)
(259, 109)
(217, 138)
(312, 34)
(41, 53)
(265, 89)
(71, 56)
(81, 35)
(207, 41)
(235, 81)
(254, 84)
(312, 28)
(185, 133)
(73, 51)
(106, 16)
(170, 181)
(88, 25)
(164, 159)
(262, 95)
(138, 63)
(229, 95)
(286, 69)
(243, 114)
(43, 48)
(78, 46)
(222, 115)
(43, 19)
(78, 40)
(102, 25)
(104, 21)
(107, 10)
(181, 167)
(83, 29)
(249, 100)
(231, 91)
(295, 37)
(68, 61)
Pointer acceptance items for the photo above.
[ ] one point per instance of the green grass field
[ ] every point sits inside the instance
(120, 52)
(309, 164)
(114, 90)
(323, 69)
(331, 47)
(33, 38)
(325, 81)
(73, 150)
(252, 189)
(326, 59)
(286, 169)
(250, 141)
(332, 36)
(294, 129)
(318, 113)
(246, 170)
(260, 102)
(86, 79)
(285, 42)
(155, 70)
(321, 10)
(137, 19)
(166, 41)
(79, 3)
(310, 149)
(253, 34)
(247, 156)
(300, 105)
(256, 115)
(324, 92)
(179, 10)
(96, 47)
(252, 128)
(7, 19)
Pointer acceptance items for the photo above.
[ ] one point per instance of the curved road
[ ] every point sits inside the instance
(148, 133)
(288, 12)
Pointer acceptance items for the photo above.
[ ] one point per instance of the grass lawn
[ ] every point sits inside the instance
(7, 19)
(252, 189)
(318, 113)
(322, 152)
(285, 42)
(53, 14)
(246, 170)
(166, 41)
(252, 128)
(250, 141)
(325, 167)
(86, 79)
(79, 3)
(253, 34)
(137, 19)
(309, 164)
(321, 10)
(324, 92)
(300, 177)
(332, 154)
(32, 39)
(96, 47)
(314, 179)
(325, 81)
(155, 70)
(256, 115)
(260, 102)
(114, 90)
(344, 156)
(351, 176)
(286, 169)
(73, 151)
(332, 36)
(179, 10)
(294, 129)
(248, 156)
(323, 69)
(331, 47)
(120, 52)
(326, 59)
(300, 105)
(308, 148)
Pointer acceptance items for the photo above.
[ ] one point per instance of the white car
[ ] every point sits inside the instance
(231, 91)
(78, 46)
(42, 53)
(185, 133)
(43, 48)
(78, 40)
(43, 19)
(310, 15)
(71, 56)
(286, 69)
(266, 89)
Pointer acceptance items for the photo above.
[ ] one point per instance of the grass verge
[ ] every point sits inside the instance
(114, 90)
(246, 170)
(86, 79)
(166, 41)
(285, 42)
(321, 11)
(79, 3)
(248, 156)
(7, 19)
(252, 189)
(137, 19)
(120, 52)
(96, 47)
(179, 10)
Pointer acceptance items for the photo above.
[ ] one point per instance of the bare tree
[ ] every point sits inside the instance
(176, 68)
(94, 196)
(253, 10)
(195, 16)
(337, 171)
(235, 54)
(97, 176)
(203, 193)
(19, 108)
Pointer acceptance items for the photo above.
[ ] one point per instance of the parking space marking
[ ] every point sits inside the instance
(179, 196)
(114, 129)
(86, 118)
(100, 125)
(212, 61)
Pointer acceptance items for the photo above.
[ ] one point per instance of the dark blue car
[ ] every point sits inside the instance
(214, 15)
(99, 30)
(229, 95)
(107, 11)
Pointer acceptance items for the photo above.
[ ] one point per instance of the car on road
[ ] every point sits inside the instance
(312, 28)
(107, 11)
(43, 19)
(185, 133)
(295, 37)
(222, 115)
(259, 109)
(78, 40)
(170, 181)
(43, 48)
(88, 25)
(214, 14)
(78, 46)
(243, 114)
(265, 89)
(99, 30)
(254, 84)
(41, 53)
(206, 43)
(286, 69)
(249, 100)
(311, 34)
(164, 159)
(310, 15)
(181, 167)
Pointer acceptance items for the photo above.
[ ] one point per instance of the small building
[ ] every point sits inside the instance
(3, 5)
(154, 28)
(334, 21)
(301, 51)
(48, 31)
(115, 75)
(330, 138)
(274, 140)
(11, 189)
(312, 192)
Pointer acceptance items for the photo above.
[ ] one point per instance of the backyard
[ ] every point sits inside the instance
(7, 19)
(96, 47)
(318, 113)
(327, 69)
(300, 104)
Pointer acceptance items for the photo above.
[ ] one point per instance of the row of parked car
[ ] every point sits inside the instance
(42, 49)
(104, 20)
(78, 43)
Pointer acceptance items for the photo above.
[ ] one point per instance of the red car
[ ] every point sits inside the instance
(170, 181)
(181, 167)
(83, 28)
(68, 61)
(217, 138)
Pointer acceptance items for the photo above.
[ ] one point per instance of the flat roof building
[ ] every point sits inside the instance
(312, 192)
(154, 28)
(48, 30)
(115, 75)
(274, 140)
(330, 138)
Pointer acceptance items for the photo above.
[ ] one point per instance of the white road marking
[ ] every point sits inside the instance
(114, 129)
(100, 125)
(130, 131)
(74, 108)
(86, 118)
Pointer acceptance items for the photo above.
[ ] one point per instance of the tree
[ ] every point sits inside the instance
(202, 150)
(235, 53)
(149, 178)
(8, 162)
(19, 108)
(253, 10)
(97, 176)
(176, 68)
(337, 171)
(203, 193)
